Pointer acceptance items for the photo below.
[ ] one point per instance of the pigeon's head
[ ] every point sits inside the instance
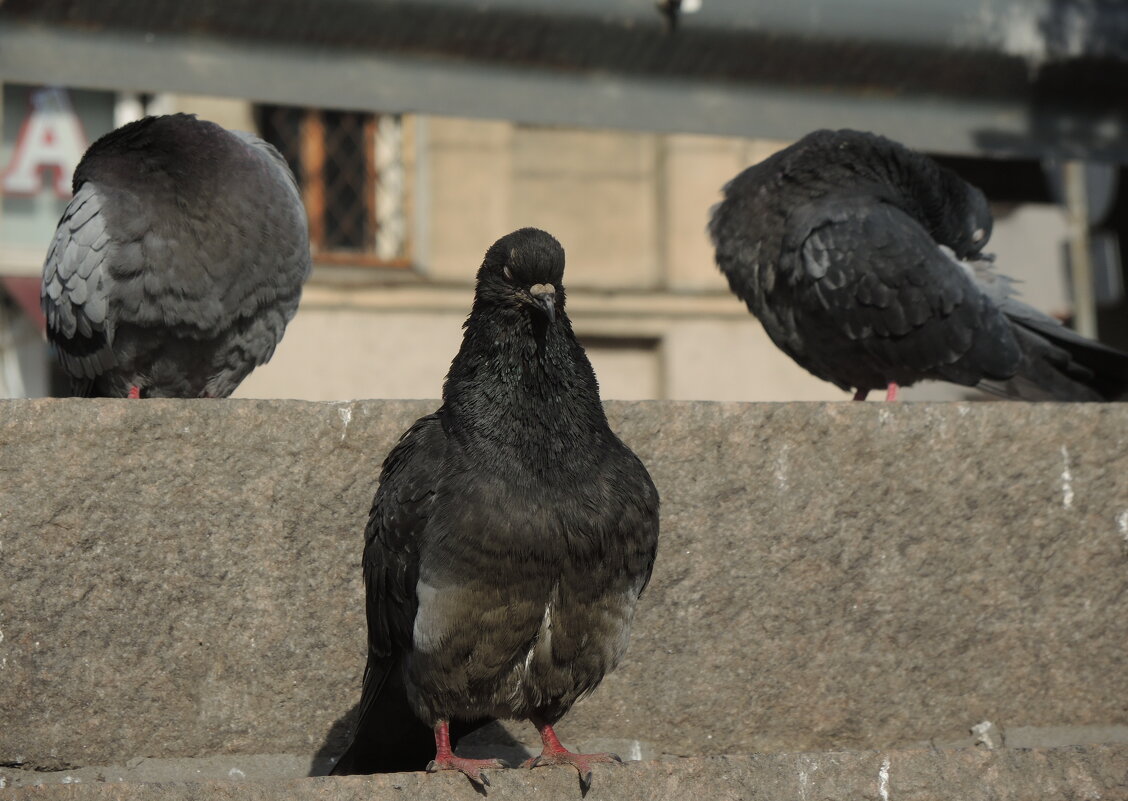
(977, 227)
(967, 223)
(524, 269)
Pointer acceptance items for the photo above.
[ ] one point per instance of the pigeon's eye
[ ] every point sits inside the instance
(506, 272)
(979, 235)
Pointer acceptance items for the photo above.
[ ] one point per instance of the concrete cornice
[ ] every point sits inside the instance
(181, 578)
(424, 297)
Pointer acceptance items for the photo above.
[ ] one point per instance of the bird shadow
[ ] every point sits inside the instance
(335, 742)
(489, 741)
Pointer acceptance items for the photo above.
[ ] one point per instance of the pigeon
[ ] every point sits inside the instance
(177, 263)
(864, 262)
(510, 536)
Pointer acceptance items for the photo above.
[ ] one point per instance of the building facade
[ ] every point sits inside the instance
(402, 208)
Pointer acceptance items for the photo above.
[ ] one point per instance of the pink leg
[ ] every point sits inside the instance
(555, 753)
(135, 393)
(446, 760)
(891, 392)
(860, 395)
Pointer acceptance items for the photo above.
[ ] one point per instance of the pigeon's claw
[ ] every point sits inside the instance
(581, 762)
(555, 753)
(446, 760)
(470, 768)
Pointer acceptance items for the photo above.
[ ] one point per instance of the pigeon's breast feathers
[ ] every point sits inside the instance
(521, 386)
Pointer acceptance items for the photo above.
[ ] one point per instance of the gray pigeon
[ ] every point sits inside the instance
(863, 261)
(178, 262)
(510, 536)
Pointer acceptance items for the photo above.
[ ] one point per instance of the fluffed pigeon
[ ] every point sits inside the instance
(863, 261)
(177, 264)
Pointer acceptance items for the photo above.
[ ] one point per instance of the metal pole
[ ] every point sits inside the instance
(1084, 303)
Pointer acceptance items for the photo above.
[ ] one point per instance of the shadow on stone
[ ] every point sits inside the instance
(335, 742)
(491, 741)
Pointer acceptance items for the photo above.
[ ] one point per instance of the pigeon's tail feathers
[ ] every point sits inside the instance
(993, 354)
(1059, 364)
(388, 737)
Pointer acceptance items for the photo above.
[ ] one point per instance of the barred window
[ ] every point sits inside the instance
(350, 167)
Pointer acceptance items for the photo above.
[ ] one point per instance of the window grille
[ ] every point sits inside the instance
(350, 168)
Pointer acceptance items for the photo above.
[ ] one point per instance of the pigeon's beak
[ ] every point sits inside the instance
(544, 295)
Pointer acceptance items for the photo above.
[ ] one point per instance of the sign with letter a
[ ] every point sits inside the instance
(51, 138)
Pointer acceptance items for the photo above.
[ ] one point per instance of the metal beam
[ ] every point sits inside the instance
(951, 77)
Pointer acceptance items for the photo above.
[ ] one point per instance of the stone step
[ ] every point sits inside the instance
(1092, 772)
(181, 578)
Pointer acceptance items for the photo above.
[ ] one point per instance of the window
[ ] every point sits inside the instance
(350, 168)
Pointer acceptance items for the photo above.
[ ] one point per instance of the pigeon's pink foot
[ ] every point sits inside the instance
(555, 753)
(891, 392)
(860, 395)
(446, 760)
(135, 393)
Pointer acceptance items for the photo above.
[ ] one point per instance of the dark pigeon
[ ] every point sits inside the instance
(511, 534)
(178, 262)
(863, 261)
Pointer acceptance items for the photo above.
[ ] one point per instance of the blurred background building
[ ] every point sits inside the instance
(407, 191)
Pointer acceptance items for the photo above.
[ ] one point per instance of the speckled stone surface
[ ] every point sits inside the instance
(1095, 772)
(181, 578)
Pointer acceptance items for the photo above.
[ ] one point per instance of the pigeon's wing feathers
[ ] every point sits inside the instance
(388, 736)
(396, 523)
(875, 272)
(76, 288)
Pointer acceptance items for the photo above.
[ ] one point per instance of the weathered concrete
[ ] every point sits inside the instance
(180, 578)
(195, 770)
(279, 767)
(1096, 772)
